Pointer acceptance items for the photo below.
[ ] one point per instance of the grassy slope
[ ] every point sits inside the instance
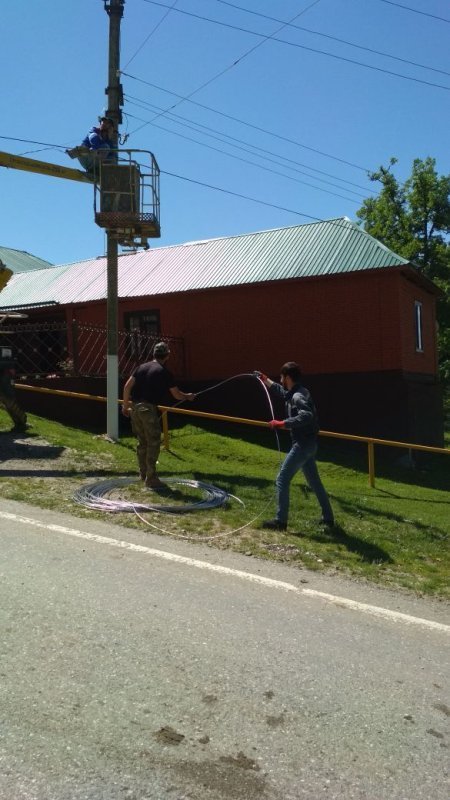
(396, 534)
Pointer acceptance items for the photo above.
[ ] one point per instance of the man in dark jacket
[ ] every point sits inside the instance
(147, 388)
(301, 420)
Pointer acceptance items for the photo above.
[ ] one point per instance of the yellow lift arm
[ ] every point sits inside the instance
(43, 168)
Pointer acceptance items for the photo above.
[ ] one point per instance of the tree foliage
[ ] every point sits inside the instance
(413, 219)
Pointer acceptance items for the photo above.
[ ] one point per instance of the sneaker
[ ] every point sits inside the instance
(274, 525)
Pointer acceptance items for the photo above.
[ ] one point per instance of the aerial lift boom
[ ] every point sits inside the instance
(43, 168)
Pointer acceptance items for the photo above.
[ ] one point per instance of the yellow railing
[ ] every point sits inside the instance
(370, 441)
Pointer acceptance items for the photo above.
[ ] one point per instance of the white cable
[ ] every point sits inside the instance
(93, 495)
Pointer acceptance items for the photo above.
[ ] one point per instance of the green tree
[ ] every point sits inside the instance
(413, 219)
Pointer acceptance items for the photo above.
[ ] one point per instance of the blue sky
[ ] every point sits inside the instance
(54, 62)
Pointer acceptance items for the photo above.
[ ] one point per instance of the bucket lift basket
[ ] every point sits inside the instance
(126, 198)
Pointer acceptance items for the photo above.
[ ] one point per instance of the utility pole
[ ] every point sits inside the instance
(114, 9)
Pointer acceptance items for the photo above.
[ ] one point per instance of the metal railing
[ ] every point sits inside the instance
(370, 441)
(56, 349)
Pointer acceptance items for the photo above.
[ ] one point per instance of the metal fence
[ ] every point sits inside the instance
(43, 350)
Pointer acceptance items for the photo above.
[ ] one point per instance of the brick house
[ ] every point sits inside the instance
(359, 319)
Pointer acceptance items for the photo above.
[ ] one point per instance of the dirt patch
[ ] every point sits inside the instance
(28, 454)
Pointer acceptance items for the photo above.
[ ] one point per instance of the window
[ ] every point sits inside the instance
(146, 322)
(418, 326)
(143, 328)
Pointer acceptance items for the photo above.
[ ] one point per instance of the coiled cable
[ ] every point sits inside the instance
(94, 495)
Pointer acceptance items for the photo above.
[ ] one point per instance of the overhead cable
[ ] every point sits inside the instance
(261, 166)
(150, 34)
(31, 141)
(244, 197)
(248, 147)
(305, 47)
(415, 10)
(335, 38)
(249, 124)
(234, 194)
(265, 38)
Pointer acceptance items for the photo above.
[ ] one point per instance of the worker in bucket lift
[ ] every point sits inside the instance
(143, 392)
(301, 420)
(96, 146)
(8, 399)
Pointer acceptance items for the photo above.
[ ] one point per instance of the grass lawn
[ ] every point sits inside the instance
(396, 534)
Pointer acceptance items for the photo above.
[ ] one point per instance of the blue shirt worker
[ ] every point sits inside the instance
(96, 146)
(143, 392)
(302, 422)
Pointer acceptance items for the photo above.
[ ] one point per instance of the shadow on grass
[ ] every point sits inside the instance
(367, 551)
(374, 513)
(231, 482)
(20, 447)
(410, 499)
(430, 470)
(65, 473)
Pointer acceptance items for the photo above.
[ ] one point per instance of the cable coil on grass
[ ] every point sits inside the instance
(95, 496)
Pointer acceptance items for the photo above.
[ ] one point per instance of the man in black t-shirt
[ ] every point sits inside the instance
(143, 392)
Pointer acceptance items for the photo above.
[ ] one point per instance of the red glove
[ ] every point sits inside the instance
(260, 375)
(276, 423)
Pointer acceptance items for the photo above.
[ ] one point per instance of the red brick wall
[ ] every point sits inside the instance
(359, 322)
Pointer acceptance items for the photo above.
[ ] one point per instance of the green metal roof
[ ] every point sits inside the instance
(21, 261)
(302, 251)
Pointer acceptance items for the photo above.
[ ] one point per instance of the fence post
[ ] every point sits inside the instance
(75, 345)
(371, 457)
(165, 427)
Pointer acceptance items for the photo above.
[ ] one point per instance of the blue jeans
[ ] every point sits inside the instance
(301, 456)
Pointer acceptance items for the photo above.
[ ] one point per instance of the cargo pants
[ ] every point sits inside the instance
(11, 405)
(146, 427)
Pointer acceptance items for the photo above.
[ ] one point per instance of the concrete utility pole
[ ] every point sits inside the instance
(114, 9)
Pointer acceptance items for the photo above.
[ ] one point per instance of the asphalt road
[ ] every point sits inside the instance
(131, 674)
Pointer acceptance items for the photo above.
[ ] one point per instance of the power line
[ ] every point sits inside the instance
(254, 164)
(150, 34)
(248, 124)
(305, 47)
(247, 146)
(415, 10)
(335, 38)
(31, 141)
(243, 196)
(334, 222)
(235, 62)
(338, 223)
(219, 189)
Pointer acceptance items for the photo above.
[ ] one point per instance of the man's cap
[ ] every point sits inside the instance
(161, 349)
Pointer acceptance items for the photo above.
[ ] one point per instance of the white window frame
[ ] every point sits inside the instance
(418, 325)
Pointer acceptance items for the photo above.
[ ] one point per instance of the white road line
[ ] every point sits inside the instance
(342, 602)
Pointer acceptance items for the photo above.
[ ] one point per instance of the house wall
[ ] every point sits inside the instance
(360, 322)
(353, 335)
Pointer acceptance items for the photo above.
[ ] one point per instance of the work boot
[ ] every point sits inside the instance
(20, 427)
(274, 525)
(329, 524)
